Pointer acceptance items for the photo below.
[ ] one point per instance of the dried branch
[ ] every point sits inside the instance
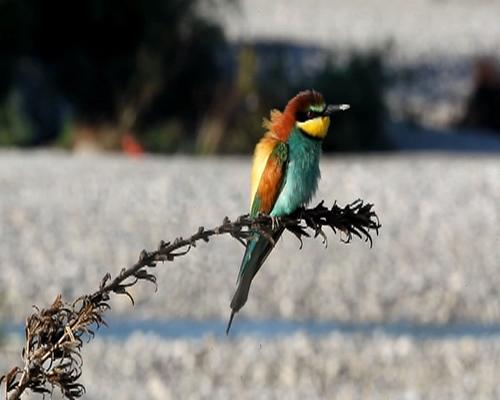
(55, 336)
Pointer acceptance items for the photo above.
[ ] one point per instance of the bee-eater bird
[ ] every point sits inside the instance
(285, 175)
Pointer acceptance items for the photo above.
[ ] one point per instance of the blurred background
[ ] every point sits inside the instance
(123, 123)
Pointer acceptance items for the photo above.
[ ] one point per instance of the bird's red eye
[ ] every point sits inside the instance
(310, 114)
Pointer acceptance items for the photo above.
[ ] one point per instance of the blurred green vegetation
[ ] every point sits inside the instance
(131, 64)
(98, 71)
(359, 81)
(15, 126)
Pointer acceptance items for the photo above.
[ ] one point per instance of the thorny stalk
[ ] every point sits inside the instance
(55, 335)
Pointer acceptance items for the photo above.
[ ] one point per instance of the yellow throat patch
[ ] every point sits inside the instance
(316, 127)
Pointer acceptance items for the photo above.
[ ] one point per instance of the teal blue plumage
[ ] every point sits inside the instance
(302, 173)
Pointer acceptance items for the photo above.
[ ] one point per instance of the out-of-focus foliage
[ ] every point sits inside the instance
(15, 128)
(276, 76)
(167, 137)
(88, 74)
(483, 107)
(124, 62)
(359, 83)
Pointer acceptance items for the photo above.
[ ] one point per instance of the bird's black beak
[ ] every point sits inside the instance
(331, 108)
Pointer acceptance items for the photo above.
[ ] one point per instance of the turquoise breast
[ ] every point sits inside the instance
(302, 174)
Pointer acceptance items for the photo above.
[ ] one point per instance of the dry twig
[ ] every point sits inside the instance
(54, 336)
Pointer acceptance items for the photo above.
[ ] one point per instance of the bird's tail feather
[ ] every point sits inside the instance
(256, 253)
(230, 322)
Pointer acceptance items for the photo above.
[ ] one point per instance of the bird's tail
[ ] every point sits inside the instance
(258, 248)
(230, 322)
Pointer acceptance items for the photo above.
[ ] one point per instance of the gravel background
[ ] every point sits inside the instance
(66, 220)
(293, 367)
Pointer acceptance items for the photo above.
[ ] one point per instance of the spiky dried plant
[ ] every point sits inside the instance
(55, 335)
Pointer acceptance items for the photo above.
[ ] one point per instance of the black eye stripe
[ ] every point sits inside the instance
(305, 115)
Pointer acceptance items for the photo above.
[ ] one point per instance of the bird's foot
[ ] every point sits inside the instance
(275, 222)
